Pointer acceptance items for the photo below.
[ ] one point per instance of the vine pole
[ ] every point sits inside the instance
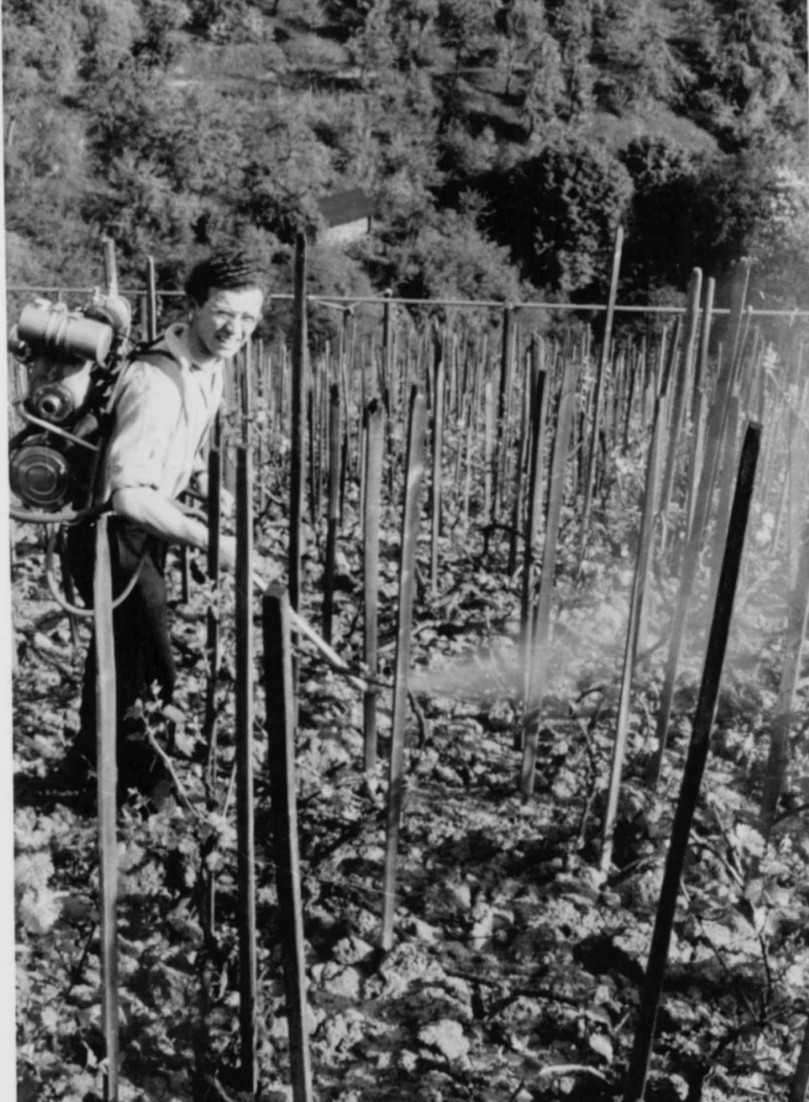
(7, 956)
(523, 452)
(537, 675)
(799, 1087)
(296, 473)
(107, 770)
(540, 388)
(374, 437)
(699, 745)
(699, 401)
(213, 638)
(333, 518)
(414, 468)
(603, 360)
(778, 756)
(499, 449)
(633, 629)
(439, 370)
(110, 267)
(245, 714)
(280, 705)
(679, 415)
(151, 300)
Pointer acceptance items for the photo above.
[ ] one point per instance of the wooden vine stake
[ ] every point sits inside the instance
(799, 1087)
(213, 564)
(151, 300)
(213, 638)
(107, 769)
(296, 457)
(631, 646)
(536, 676)
(522, 464)
(414, 468)
(439, 369)
(725, 482)
(110, 267)
(375, 438)
(635, 1083)
(699, 402)
(679, 413)
(280, 704)
(333, 519)
(603, 360)
(778, 757)
(488, 459)
(504, 386)
(245, 714)
(538, 417)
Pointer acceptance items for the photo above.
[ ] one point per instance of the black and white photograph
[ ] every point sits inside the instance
(405, 680)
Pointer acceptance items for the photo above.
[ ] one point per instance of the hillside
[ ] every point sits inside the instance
(173, 125)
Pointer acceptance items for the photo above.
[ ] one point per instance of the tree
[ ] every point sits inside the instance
(347, 20)
(112, 29)
(468, 32)
(448, 256)
(162, 19)
(571, 24)
(665, 237)
(778, 237)
(544, 83)
(636, 61)
(42, 48)
(746, 62)
(140, 210)
(711, 211)
(400, 36)
(558, 212)
(221, 20)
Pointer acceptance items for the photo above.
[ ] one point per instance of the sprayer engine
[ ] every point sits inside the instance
(70, 360)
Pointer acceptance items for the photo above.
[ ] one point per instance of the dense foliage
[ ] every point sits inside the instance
(501, 144)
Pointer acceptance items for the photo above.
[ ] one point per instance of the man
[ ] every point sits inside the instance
(163, 411)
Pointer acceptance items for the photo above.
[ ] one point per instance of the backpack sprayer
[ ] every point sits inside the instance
(72, 360)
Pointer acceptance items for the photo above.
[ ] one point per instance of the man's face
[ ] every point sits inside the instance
(225, 321)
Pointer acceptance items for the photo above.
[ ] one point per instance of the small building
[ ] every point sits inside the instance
(348, 216)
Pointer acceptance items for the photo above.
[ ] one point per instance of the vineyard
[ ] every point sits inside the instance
(502, 795)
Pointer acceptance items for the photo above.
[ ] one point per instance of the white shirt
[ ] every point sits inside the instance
(164, 409)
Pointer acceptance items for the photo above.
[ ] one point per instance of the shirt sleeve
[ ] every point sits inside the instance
(145, 420)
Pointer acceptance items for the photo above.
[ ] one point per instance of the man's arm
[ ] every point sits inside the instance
(162, 518)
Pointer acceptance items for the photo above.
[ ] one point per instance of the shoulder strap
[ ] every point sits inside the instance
(105, 415)
(151, 353)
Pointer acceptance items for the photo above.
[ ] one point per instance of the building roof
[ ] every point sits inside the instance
(345, 206)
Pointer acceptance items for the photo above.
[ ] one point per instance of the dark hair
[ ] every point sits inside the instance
(229, 270)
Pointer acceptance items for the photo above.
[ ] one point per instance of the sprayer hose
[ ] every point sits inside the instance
(80, 610)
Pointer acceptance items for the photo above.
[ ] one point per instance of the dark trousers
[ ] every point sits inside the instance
(140, 628)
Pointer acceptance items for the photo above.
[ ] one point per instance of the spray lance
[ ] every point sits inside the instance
(303, 627)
